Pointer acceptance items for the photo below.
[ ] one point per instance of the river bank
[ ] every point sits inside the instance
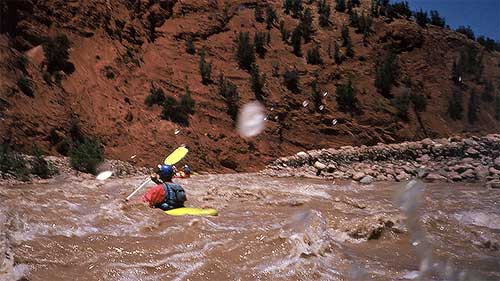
(474, 159)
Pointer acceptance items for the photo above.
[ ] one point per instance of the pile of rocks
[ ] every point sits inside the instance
(453, 159)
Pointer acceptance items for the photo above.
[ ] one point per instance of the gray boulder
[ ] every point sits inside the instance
(367, 180)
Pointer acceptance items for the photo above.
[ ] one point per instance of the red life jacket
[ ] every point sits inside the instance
(155, 195)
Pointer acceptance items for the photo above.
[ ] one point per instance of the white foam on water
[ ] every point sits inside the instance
(489, 220)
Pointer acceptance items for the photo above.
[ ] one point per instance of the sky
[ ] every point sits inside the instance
(483, 16)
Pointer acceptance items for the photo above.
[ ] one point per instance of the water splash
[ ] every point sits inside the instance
(251, 120)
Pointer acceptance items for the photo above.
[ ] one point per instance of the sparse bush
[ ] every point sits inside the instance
(257, 82)
(346, 98)
(419, 102)
(294, 6)
(39, 166)
(190, 48)
(387, 72)
(57, 53)
(271, 17)
(205, 69)
(349, 51)
(345, 35)
(374, 8)
(340, 5)
(469, 62)
(259, 43)
(87, 155)
(314, 56)
(455, 105)
(422, 18)
(187, 102)
(436, 19)
(259, 14)
(362, 23)
(337, 56)
(497, 107)
(488, 43)
(398, 9)
(324, 13)
(467, 31)
(306, 25)
(24, 85)
(156, 96)
(178, 112)
(291, 78)
(317, 97)
(276, 69)
(297, 41)
(12, 163)
(473, 108)
(109, 72)
(47, 78)
(487, 95)
(230, 93)
(21, 63)
(402, 105)
(245, 51)
(285, 34)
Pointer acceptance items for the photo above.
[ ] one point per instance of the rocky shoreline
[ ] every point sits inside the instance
(62, 168)
(474, 159)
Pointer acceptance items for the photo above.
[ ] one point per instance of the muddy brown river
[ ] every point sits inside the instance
(267, 229)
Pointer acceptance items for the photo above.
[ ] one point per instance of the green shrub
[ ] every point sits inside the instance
(187, 102)
(230, 93)
(489, 44)
(362, 23)
(387, 72)
(293, 6)
(422, 18)
(156, 96)
(87, 155)
(346, 39)
(297, 41)
(467, 31)
(257, 82)
(346, 98)
(291, 78)
(306, 25)
(271, 17)
(275, 69)
(473, 108)
(25, 86)
(470, 62)
(324, 13)
(47, 78)
(455, 105)
(173, 111)
(317, 97)
(436, 19)
(259, 43)
(39, 166)
(259, 14)
(285, 34)
(337, 56)
(398, 9)
(419, 102)
(205, 69)
(57, 53)
(402, 105)
(190, 48)
(314, 56)
(109, 72)
(22, 63)
(340, 5)
(12, 163)
(349, 51)
(245, 51)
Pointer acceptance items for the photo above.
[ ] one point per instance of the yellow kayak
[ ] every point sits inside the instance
(187, 211)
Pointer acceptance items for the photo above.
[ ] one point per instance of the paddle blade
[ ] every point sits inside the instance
(176, 156)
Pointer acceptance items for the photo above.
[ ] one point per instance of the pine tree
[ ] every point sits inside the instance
(386, 74)
(287, 6)
(259, 43)
(297, 8)
(349, 6)
(473, 108)
(271, 17)
(291, 78)
(259, 14)
(297, 41)
(346, 98)
(422, 18)
(374, 9)
(317, 97)
(230, 93)
(437, 20)
(245, 51)
(467, 31)
(187, 103)
(340, 5)
(190, 48)
(306, 25)
(285, 34)
(257, 82)
(455, 105)
(324, 13)
(349, 51)
(314, 56)
(205, 69)
(336, 53)
(345, 35)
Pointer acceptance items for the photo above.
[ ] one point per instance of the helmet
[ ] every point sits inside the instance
(165, 171)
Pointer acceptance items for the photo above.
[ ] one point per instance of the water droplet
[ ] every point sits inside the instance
(133, 156)
(272, 108)
(276, 118)
(415, 243)
(265, 118)
(251, 119)
(177, 131)
(321, 107)
(305, 103)
(325, 94)
(334, 122)
(460, 79)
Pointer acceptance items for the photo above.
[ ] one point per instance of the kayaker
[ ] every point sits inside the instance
(165, 195)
